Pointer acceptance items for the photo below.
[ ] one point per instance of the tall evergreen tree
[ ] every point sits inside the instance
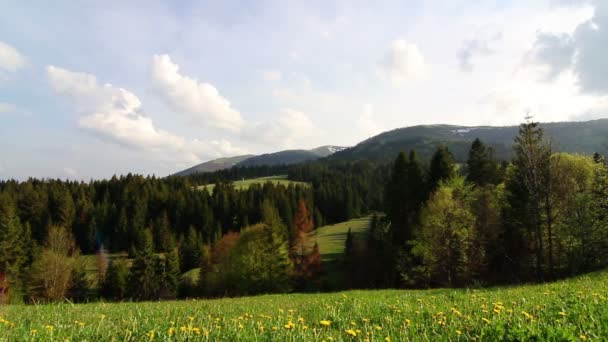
(532, 163)
(442, 167)
(482, 168)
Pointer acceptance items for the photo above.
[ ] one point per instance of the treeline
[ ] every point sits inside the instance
(165, 225)
(541, 216)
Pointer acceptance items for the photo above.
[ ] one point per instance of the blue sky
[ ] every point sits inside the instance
(89, 89)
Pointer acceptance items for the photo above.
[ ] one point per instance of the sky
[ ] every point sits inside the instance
(89, 89)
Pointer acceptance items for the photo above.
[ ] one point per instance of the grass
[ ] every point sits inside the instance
(570, 310)
(331, 238)
(246, 183)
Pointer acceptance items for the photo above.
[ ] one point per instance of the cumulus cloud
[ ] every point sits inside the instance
(116, 114)
(287, 129)
(366, 122)
(554, 51)
(585, 52)
(271, 75)
(201, 100)
(480, 45)
(403, 63)
(10, 59)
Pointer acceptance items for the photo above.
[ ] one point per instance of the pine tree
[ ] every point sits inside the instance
(13, 249)
(143, 282)
(172, 273)
(116, 281)
(532, 165)
(442, 167)
(481, 166)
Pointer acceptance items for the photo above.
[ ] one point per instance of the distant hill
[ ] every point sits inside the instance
(576, 137)
(278, 158)
(214, 165)
(291, 156)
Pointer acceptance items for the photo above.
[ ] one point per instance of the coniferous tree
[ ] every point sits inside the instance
(532, 164)
(14, 244)
(442, 167)
(143, 283)
(115, 284)
(482, 169)
(172, 273)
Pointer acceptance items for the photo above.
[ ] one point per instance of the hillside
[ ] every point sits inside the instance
(289, 157)
(286, 157)
(214, 165)
(569, 310)
(577, 137)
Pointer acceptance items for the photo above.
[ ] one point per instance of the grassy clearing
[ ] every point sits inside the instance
(246, 183)
(571, 310)
(331, 238)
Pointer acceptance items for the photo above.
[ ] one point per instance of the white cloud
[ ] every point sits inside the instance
(366, 122)
(201, 100)
(290, 128)
(10, 59)
(583, 51)
(116, 114)
(271, 75)
(480, 45)
(403, 63)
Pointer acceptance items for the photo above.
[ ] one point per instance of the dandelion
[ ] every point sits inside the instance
(458, 332)
(378, 327)
(289, 325)
(583, 337)
(351, 332)
(486, 320)
(387, 339)
(407, 322)
(171, 331)
(325, 323)
(527, 315)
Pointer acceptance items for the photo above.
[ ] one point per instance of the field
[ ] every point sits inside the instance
(331, 238)
(570, 310)
(245, 183)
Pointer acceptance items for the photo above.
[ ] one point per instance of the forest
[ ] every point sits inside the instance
(537, 217)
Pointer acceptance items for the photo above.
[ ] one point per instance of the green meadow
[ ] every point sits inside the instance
(569, 310)
(246, 183)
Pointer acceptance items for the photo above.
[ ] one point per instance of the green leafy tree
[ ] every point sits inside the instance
(51, 274)
(444, 240)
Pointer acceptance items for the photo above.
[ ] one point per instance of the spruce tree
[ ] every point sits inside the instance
(482, 169)
(442, 167)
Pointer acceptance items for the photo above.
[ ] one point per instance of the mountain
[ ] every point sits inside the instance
(291, 156)
(576, 137)
(214, 165)
(278, 158)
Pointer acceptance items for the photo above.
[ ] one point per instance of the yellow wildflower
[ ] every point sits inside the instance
(289, 325)
(325, 322)
(351, 332)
